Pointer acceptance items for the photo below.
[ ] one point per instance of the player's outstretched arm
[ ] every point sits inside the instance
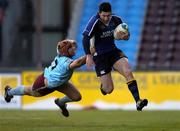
(78, 62)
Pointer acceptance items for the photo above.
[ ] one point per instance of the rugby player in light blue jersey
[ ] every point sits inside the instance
(55, 77)
(100, 48)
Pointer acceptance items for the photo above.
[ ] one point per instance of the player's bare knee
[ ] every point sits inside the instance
(77, 97)
(30, 92)
(34, 93)
(109, 89)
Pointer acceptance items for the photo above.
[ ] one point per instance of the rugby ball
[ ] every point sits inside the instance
(120, 29)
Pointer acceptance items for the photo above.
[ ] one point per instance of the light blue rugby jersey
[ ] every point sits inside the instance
(58, 72)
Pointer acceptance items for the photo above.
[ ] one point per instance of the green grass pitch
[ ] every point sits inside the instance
(89, 120)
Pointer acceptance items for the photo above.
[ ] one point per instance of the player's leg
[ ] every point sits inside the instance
(123, 67)
(72, 95)
(107, 85)
(103, 67)
(38, 89)
(16, 91)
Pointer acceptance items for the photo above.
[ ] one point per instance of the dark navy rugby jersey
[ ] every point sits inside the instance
(104, 40)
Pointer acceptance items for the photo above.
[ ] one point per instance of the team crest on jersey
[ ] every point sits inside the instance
(102, 72)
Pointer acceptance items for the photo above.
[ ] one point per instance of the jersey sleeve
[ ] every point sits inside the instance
(90, 25)
(67, 63)
(88, 33)
(117, 20)
(86, 44)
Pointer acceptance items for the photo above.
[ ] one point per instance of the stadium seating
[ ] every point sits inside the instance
(131, 11)
(159, 48)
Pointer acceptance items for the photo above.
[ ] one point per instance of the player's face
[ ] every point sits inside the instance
(105, 17)
(72, 50)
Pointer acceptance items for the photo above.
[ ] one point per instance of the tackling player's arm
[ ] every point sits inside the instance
(78, 62)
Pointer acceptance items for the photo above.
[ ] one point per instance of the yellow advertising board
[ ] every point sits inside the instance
(157, 87)
(13, 80)
(7, 80)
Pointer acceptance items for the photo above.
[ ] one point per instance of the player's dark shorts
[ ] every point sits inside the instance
(39, 86)
(105, 62)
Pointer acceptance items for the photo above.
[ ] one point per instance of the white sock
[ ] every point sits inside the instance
(19, 90)
(64, 100)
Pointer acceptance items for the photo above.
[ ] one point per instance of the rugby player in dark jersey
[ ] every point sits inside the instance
(105, 55)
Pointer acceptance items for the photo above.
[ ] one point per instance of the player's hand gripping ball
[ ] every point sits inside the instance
(64, 46)
(121, 32)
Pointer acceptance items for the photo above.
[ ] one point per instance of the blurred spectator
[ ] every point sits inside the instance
(17, 41)
(3, 5)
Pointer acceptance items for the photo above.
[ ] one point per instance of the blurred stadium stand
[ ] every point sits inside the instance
(154, 27)
(31, 28)
(160, 49)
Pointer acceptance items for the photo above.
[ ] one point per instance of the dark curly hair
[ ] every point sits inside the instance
(105, 6)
